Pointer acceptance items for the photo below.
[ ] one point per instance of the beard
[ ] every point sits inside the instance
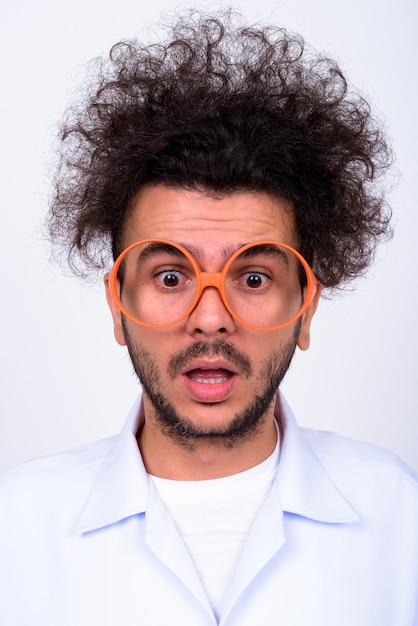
(245, 424)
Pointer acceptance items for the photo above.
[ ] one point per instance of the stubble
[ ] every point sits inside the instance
(245, 424)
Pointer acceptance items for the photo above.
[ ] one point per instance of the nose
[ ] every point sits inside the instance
(210, 315)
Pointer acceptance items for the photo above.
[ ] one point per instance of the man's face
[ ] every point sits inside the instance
(209, 376)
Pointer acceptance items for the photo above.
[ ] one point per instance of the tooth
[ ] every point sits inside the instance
(210, 381)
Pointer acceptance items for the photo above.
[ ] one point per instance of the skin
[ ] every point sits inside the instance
(215, 439)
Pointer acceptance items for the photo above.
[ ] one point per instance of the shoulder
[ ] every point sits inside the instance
(367, 474)
(334, 447)
(70, 460)
(53, 479)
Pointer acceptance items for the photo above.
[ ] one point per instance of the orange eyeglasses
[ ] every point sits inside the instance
(265, 285)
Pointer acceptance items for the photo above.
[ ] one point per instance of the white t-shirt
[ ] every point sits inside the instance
(214, 518)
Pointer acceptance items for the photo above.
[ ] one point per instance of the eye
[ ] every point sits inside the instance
(170, 279)
(254, 280)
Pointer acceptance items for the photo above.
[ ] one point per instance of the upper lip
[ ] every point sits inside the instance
(209, 364)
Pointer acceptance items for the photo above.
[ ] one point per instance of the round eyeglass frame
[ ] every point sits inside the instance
(212, 279)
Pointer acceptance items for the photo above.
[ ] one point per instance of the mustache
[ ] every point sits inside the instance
(179, 360)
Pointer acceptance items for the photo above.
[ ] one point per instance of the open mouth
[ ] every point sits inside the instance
(210, 380)
(210, 376)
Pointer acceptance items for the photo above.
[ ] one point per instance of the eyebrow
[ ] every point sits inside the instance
(266, 248)
(158, 247)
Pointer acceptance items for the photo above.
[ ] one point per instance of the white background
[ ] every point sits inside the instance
(64, 381)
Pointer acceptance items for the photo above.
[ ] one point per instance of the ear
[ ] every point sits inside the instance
(116, 313)
(305, 334)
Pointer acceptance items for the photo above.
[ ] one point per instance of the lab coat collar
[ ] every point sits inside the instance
(305, 487)
(121, 488)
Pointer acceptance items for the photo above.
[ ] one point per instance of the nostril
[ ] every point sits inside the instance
(199, 331)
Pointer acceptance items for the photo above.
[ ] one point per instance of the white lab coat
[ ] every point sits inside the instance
(86, 541)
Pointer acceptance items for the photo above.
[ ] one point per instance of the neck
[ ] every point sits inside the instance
(203, 458)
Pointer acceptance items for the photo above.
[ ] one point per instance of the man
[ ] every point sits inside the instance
(233, 177)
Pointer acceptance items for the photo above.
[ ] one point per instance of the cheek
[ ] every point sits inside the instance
(263, 344)
(159, 344)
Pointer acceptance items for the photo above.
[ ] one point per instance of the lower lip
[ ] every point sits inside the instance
(209, 392)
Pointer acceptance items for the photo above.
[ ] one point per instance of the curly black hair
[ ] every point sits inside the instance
(224, 108)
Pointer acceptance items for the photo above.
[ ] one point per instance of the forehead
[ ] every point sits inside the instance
(209, 222)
